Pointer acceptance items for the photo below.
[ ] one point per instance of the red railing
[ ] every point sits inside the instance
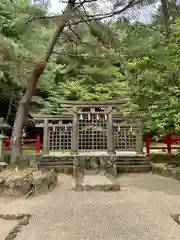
(37, 147)
(168, 140)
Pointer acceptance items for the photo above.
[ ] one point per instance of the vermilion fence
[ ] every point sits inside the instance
(169, 141)
(37, 141)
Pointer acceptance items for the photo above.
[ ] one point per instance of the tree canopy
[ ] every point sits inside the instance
(94, 60)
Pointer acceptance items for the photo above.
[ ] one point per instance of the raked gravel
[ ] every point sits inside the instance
(140, 211)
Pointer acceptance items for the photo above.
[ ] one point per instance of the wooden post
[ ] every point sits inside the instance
(168, 142)
(2, 137)
(38, 144)
(110, 132)
(74, 139)
(45, 137)
(139, 141)
(147, 145)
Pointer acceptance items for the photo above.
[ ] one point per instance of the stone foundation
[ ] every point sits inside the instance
(26, 183)
(109, 163)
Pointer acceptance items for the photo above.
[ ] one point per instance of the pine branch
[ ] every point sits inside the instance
(90, 18)
(60, 28)
(79, 55)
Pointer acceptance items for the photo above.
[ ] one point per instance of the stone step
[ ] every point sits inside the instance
(131, 156)
(70, 162)
(134, 168)
(131, 159)
(55, 159)
(55, 163)
(91, 172)
(56, 167)
(62, 163)
(123, 163)
(97, 183)
(71, 159)
(84, 156)
(133, 164)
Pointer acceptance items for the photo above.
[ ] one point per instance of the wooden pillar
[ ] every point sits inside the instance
(139, 141)
(114, 169)
(45, 138)
(74, 138)
(2, 137)
(110, 132)
(76, 167)
(147, 145)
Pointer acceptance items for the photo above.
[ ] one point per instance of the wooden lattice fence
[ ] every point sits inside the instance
(87, 127)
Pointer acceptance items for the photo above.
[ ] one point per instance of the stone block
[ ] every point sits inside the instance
(22, 183)
(98, 183)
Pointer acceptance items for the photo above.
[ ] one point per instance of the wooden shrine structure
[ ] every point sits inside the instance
(90, 126)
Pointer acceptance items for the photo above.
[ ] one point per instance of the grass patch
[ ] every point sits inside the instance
(162, 151)
(24, 152)
(60, 154)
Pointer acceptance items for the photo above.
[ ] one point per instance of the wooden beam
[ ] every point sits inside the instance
(74, 138)
(125, 125)
(55, 125)
(94, 103)
(53, 117)
(45, 137)
(110, 133)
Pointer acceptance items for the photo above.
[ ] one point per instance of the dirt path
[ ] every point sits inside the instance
(140, 211)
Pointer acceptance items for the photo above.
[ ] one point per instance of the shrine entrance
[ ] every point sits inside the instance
(91, 137)
(92, 131)
(89, 126)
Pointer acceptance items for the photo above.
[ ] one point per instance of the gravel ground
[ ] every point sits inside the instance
(6, 227)
(140, 211)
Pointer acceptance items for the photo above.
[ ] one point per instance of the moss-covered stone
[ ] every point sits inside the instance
(162, 170)
(163, 158)
(21, 183)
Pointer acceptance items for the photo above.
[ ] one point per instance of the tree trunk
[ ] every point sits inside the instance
(16, 140)
(10, 107)
(165, 12)
(22, 111)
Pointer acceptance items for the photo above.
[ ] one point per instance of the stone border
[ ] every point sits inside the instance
(99, 187)
(166, 171)
(23, 221)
